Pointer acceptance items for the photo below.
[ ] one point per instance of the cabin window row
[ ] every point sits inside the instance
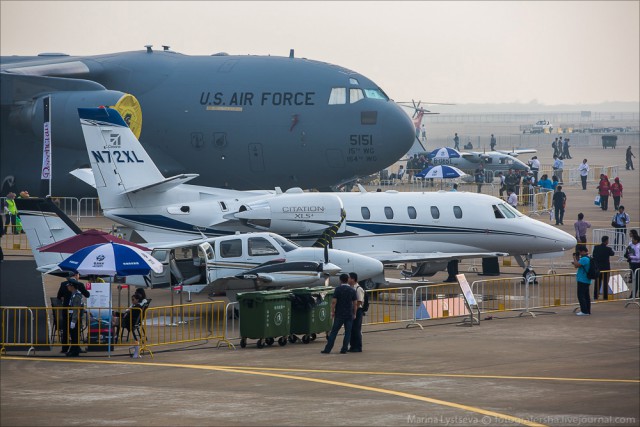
(411, 212)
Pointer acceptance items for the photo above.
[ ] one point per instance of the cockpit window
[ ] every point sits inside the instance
(355, 95)
(353, 81)
(259, 246)
(506, 211)
(497, 212)
(285, 244)
(512, 209)
(375, 94)
(338, 96)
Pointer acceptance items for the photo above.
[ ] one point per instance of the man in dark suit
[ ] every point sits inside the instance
(601, 255)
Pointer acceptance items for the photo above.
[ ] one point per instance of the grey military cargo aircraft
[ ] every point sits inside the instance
(241, 122)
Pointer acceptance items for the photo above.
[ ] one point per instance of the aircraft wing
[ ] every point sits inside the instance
(515, 153)
(397, 257)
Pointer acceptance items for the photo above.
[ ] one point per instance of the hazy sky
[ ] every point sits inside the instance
(462, 52)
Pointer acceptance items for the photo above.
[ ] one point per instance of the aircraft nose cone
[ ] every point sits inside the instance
(397, 130)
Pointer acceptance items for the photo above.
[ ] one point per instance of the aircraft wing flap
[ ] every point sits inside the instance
(164, 185)
(394, 258)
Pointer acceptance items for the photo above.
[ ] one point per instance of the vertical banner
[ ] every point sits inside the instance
(45, 175)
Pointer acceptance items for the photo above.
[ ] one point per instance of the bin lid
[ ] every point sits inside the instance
(264, 295)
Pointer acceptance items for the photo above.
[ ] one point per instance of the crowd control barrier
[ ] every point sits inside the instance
(106, 329)
(389, 305)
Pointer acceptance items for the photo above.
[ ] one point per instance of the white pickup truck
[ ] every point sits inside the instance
(542, 126)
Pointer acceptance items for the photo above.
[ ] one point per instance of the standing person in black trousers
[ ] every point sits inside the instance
(601, 254)
(356, 330)
(343, 311)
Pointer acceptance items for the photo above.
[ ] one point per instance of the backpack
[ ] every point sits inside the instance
(365, 304)
(593, 272)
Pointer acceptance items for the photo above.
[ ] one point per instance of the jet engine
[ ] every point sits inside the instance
(293, 212)
(29, 116)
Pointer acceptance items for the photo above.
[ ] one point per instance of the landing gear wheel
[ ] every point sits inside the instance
(368, 284)
(269, 341)
(260, 344)
(243, 342)
(528, 273)
(313, 336)
(305, 339)
(282, 341)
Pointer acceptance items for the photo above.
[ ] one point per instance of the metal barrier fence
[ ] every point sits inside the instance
(617, 239)
(184, 323)
(68, 205)
(89, 207)
(102, 328)
(12, 241)
(389, 305)
(33, 327)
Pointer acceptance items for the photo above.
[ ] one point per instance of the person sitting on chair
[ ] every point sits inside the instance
(131, 316)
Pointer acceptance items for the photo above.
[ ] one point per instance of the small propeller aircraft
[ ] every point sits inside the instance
(229, 264)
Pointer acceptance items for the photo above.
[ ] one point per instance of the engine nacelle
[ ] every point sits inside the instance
(65, 125)
(293, 213)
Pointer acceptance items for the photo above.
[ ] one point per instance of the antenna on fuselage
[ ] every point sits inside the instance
(149, 46)
(291, 51)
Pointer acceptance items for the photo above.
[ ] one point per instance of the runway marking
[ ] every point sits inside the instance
(399, 374)
(484, 412)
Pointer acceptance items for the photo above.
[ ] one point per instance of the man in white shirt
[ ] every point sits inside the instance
(558, 167)
(513, 198)
(584, 172)
(534, 163)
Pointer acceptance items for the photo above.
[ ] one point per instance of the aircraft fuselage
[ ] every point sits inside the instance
(242, 122)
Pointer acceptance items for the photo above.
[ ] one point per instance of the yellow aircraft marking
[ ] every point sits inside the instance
(211, 108)
(486, 413)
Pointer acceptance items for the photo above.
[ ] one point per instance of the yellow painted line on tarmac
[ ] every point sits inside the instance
(494, 415)
(402, 374)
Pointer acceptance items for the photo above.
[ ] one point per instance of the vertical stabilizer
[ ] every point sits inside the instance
(44, 223)
(118, 160)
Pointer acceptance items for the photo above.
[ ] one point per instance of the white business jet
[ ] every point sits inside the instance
(229, 264)
(430, 229)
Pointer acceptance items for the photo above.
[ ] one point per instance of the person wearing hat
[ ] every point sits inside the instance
(616, 192)
(344, 306)
(75, 319)
(619, 222)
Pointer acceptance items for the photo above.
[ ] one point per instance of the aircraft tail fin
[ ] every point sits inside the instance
(119, 162)
(44, 223)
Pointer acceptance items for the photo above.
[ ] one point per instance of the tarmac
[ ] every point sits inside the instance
(552, 369)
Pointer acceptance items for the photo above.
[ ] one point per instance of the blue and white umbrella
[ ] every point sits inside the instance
(111, 259)
(440, 171)
(444, 153)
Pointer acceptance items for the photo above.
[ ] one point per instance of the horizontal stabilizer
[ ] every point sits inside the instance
(85, 175)
(164, 185)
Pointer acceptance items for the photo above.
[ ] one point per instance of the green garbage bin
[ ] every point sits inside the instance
(310, 312)
(609, 141)
(264, 316)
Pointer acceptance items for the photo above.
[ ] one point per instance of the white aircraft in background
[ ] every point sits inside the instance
(468, 161)
(430, 229)
(230, 264)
